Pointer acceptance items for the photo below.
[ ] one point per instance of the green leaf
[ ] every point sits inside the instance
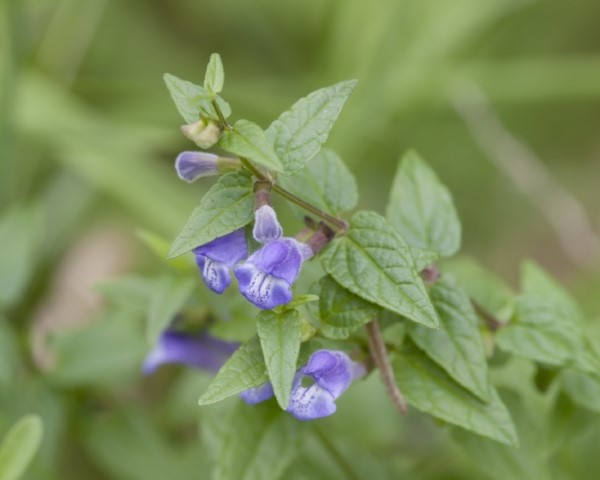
(423, 258)
(299, 133)
(547, 323)
(19, 446)
(259, 443)
(582, 388)
(374, 262)
(248, 140)
(132, 292)
(245, 369)
(166, 302)
(193, 100)
(227, 206)
(215, 76)
(500, 462)
(280, 336)
(485, 288)
(539, 332)
(457, 346)
(341, 311)
(421, 208)
(428, 388)
(326, 182)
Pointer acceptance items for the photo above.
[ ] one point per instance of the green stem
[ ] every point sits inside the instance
(340, 223)
(490, 320)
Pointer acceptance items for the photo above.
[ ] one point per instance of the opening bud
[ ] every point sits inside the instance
(203, 133)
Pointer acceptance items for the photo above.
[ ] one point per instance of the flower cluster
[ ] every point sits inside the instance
(266, 277)
(328, 372)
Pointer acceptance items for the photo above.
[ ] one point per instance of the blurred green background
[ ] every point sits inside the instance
(88, 135)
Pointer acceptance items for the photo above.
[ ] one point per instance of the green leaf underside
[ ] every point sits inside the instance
(215, 76)
(166, 302)
(245, 369)
(280, 336)
(457, 346)
(192, 100)
(373, 262)
(421, 208)
(582, 388)
(428, 388)
(341, 312)
(248, 140)
(326, 183)
(299, 133)
(260, 441)
(540, 331)
(19, 446)
(227, 206)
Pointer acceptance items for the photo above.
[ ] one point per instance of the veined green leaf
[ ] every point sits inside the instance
(423, 258)
(374, 262)
(299, 133)
(341, 312)
(245, 369)
(326, 182)
(421, 208)
(215, 75)
(457, 346)
(428, 388)
(193, 100)
(227, 206)
(248, 140)
(19, 446)
(259, 443)
(166, 302)
(280, 335)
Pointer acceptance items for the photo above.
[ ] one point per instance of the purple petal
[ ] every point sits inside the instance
(190, 166)
(311, 403)
(195, 350)
(228, 249)
(216, 275)
(280, 258)
(266, 226)
(256, 395)
(263, 290)
(331, 370)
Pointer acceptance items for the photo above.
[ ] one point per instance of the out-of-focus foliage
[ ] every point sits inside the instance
(88, 135)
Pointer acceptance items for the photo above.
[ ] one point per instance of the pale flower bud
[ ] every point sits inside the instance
(203, 133)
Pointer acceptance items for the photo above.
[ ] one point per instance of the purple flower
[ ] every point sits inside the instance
(190, 166)
(216, 258)
(267, 276)
(195, 350)
(331, 373)
(266, 226)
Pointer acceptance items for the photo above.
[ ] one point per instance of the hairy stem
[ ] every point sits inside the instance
(382, 361)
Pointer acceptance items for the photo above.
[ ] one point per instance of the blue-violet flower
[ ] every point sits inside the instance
(267, 276)
(266, 226)
(199, 350)
(331, 372)
(216, 258)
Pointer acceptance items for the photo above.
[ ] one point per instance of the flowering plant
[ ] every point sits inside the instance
(343, 298)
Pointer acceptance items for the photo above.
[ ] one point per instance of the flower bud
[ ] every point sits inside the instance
(203, 133)
(190, 166)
